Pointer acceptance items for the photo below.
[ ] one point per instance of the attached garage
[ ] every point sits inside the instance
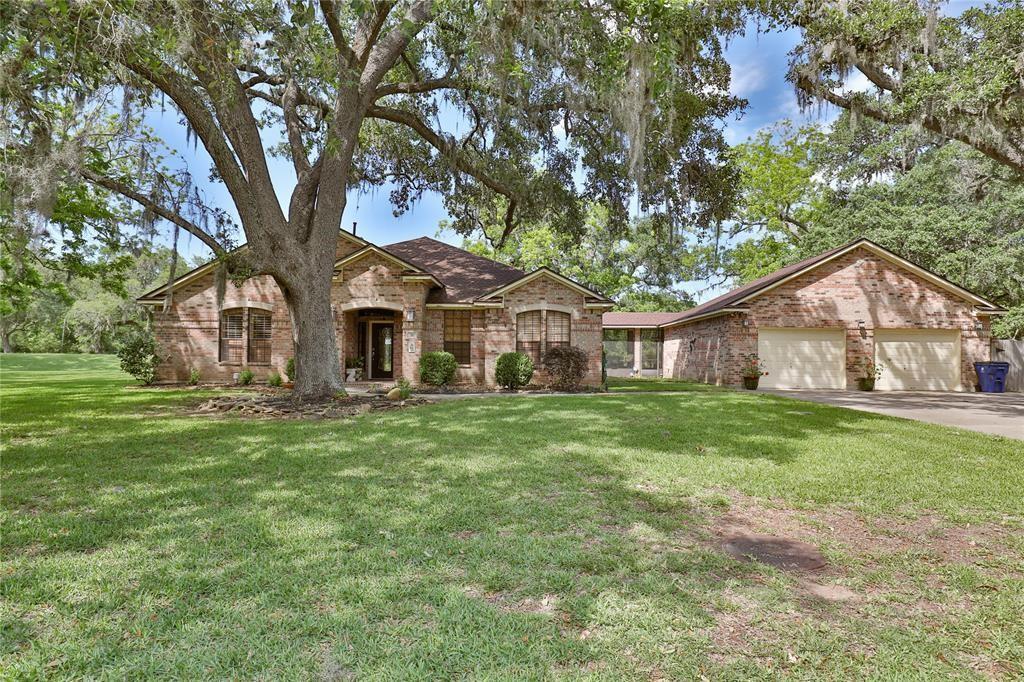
(918, 359)
(803, 357)
(817, 323)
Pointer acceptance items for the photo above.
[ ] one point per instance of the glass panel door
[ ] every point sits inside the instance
(383, 350)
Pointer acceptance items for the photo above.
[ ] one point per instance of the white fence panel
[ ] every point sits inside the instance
(1010, 351)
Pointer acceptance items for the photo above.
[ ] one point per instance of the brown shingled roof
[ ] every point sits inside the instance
(739, 293)
(623, 319)
(466, 276)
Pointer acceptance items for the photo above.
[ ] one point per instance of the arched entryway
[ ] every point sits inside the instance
(371, 343)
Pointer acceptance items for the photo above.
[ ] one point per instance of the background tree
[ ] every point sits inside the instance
(960, 77)
(941, 204)
(625, 95)
(633, 266)
(79, 313)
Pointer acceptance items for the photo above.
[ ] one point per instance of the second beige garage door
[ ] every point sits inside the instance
(918, 359)
(802, 357)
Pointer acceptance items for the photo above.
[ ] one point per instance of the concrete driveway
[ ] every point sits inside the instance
(1001, 414)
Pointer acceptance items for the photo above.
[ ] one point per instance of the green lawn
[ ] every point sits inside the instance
(498, 538)
(649, 384)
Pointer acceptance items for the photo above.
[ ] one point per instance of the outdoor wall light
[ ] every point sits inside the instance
(410, 315)
(863, 329)
(979, 326)
(746, 322)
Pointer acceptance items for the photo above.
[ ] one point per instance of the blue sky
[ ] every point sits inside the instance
(759, 62)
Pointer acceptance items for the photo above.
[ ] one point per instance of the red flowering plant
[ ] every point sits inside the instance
(753, 368)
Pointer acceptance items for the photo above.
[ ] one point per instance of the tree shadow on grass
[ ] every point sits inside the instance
(415, 543)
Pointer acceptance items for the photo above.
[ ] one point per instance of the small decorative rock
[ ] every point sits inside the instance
(395, 394)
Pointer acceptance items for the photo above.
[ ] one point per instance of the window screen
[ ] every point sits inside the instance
(457, 334)
(528, 334)
(650, 348)
(259, 337)
(558, 329)
(231, 336)
(618, 348)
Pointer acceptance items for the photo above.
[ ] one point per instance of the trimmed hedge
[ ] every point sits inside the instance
(513, 370)
(566, 365)
(437, 368)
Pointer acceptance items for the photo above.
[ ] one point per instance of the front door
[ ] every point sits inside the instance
(381, 350)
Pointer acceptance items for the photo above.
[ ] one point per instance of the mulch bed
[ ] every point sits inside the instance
(270, 406)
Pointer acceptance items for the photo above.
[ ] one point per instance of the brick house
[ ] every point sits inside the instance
(814, 323)
(390, 304)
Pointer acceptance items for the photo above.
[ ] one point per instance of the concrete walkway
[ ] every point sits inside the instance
(1001, 414)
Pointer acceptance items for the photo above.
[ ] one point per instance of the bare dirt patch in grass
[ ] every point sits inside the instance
(867, 537)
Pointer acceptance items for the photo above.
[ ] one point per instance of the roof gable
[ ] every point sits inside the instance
(156, 295)
(549, 273)
(727, 302)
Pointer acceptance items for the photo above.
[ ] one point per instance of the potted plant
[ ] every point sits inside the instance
(753, 370)
(870, 373)
(354, 368)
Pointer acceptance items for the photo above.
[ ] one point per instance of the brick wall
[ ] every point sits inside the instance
(544, 293)
(709, 350)
(433, 340)
(188, 333)
(856, 286)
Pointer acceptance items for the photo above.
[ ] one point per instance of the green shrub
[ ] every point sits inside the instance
(404, 388)
(193, 376)
(566, 366)
(513, 370)
(289, 369)
(274, 379)
(437, 368)
(138, 356)
(246, 376)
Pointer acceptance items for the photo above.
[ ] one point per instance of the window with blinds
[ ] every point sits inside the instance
(231, 325)
(528, 331)
(558, 329)
(457, 332)
(259, 337)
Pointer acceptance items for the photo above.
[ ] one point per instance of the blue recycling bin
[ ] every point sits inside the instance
(992, 376)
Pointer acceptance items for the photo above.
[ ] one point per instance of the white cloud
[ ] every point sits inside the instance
(748, 77)
(857, 82)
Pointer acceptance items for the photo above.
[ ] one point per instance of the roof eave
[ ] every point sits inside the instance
(702, 316)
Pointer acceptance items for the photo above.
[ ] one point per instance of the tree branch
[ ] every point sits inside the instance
(382, 55)
(162, 211)
(456, 157)
(1002, 151)
(289, 101)
(330, 12)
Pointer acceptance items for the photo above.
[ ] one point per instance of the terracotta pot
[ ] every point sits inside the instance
(866, 384)
(750, 383)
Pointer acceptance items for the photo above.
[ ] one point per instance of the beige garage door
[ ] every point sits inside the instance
(803, 358)
(918, 359)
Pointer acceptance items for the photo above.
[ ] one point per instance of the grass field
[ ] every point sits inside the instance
(505, 538)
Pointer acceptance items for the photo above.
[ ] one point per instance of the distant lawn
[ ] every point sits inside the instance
(528, 538)
(647, 384)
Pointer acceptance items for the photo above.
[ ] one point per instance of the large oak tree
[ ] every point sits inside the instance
(960, 76)
(514, 111)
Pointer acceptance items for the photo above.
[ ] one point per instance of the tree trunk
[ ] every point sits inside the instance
(5, 341)
(317, 369)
